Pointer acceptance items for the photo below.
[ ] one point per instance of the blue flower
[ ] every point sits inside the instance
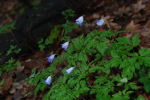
(68, 71)
(65, 45)
(79, 21)
(48, 80)
(100, 22)
(51, 58)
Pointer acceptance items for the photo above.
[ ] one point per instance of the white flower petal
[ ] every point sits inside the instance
(48, 80)
(68, 71)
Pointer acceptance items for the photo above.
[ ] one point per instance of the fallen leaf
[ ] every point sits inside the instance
(7, 84)
(138, 6)
(123, 10)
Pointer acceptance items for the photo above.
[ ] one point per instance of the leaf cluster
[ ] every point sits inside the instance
(11, 64)
(104, 67)
(13, 49)
(54, 34)
(5, 28)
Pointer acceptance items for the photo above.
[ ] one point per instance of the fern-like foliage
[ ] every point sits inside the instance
(5, 28)
(11, 64)
(104, 67)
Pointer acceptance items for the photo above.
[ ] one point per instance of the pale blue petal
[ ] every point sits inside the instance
(100, 22)
(68, 71)
(65, 45)
(51, 58)
(48, 80)
(79, 21)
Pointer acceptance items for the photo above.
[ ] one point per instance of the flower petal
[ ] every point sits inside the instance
(51, 58)
(68, 71)
(65, 45)
(79, 21)
(100, 22)
(48, 80)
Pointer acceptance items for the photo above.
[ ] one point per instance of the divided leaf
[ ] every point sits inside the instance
(123, 40)
(101, 47)
(144, 52)
(135, 40)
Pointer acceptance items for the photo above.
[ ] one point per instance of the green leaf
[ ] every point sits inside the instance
(123, 40)
(133, 85)
(27, 94)
(141, 98)
(146, 82)
(54, 34)
(114, 53)
(101, 47)
(102, 97)
(144, 52)
(94, 69)
(5, 28)
(41, 47)
(146, 61)
(35, 3)
(120, 97)
(78, 43)
(116, 61)
(68, 13)
(135, 40)
(17, 51)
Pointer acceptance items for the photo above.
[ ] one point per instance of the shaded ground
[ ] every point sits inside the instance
(132, 15)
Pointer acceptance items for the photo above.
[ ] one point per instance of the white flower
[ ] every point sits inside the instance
(79, 21)
(51, 58)
(68, 71)
(48, 80)
(100, 22)
(65, 45)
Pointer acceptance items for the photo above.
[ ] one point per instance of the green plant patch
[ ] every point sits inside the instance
(104, 68)
(35, 3)
(13, 49)
(68, 26)
(4, 29)
(54, 34)
(11, 64)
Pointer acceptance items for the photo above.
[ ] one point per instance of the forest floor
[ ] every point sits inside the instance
(133, 16)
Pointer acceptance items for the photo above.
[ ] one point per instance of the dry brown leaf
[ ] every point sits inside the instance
(7, 84)
(109, 22)
(131, 25)
(123, 10)
(138, 6)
